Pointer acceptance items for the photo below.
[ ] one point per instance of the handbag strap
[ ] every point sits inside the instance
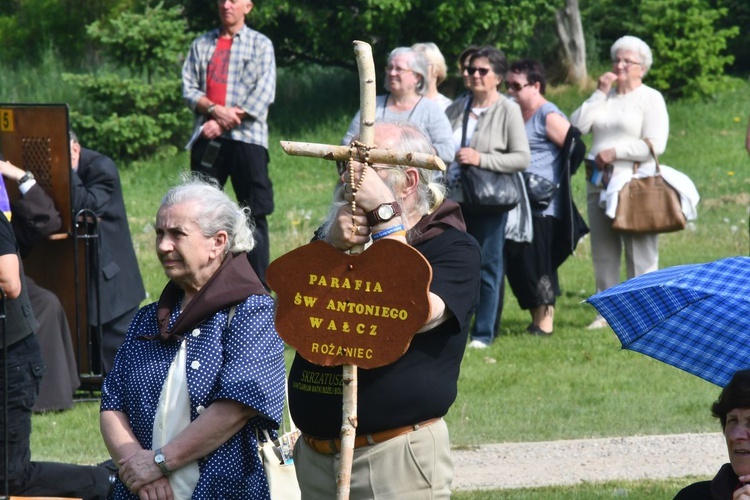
(465, 124)
(653, 154)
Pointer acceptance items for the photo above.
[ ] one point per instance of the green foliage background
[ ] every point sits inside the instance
(133, 105)
(122, 58)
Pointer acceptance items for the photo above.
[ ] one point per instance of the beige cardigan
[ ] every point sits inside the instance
(500, 135)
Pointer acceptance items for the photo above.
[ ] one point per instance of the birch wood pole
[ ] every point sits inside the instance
(366, 67)
(341, 153)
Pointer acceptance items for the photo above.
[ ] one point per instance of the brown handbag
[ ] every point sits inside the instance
(648, 205)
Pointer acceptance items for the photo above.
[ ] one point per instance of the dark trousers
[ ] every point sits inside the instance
(53, 335)
(25, 370)
(247, 165)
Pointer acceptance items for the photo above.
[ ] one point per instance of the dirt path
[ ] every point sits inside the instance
(523, 465)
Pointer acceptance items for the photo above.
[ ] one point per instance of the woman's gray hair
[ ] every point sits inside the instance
(434, 58)
(214, 211)
(417, 63)
(634, 44)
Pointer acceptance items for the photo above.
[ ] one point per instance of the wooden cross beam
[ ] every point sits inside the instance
(341, 153)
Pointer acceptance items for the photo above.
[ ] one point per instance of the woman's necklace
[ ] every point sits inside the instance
(408, 118)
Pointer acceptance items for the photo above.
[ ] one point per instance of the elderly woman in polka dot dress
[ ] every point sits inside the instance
(202, 370)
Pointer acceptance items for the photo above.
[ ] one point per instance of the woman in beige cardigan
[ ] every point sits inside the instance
(489, 133)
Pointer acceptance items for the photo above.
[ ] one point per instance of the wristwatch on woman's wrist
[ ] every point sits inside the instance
(161, 461)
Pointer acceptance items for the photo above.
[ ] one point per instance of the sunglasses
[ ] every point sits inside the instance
(516, 87)
(482, 71)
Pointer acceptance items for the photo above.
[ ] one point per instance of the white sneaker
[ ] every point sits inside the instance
(477, 344)
(599, 322)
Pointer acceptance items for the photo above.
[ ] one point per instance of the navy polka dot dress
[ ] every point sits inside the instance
(243, 362)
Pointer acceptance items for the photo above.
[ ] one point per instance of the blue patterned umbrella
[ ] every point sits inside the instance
(694, 317)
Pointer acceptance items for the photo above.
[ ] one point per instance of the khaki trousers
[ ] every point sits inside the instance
(641, 250)
(416, 466)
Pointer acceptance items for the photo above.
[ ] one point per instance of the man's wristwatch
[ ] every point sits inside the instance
(26, 177)
(383, 213)
(211, 109)
(161, 461)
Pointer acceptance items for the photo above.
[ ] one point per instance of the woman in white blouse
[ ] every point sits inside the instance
(620, 114)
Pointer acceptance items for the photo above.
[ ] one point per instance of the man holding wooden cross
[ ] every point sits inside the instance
(402, 448)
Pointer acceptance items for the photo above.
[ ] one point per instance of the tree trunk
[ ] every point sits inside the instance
(570, 31)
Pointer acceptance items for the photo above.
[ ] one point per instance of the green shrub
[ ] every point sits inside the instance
(689, 52)
(133, 114)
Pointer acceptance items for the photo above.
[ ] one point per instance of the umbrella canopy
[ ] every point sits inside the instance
(694, 317)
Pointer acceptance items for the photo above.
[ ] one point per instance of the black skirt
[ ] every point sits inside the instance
(531, 272)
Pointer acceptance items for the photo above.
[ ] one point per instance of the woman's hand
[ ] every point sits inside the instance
(606, 81)
(744, 492)
(605, 157)
(468, 156)
(138, 470)
(157, 490)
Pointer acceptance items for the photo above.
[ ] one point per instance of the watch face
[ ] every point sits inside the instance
(159, 459)
(385, 212)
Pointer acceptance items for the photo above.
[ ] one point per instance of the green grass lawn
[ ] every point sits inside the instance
(576, 384)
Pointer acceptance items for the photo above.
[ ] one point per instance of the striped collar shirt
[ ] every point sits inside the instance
(251, 81)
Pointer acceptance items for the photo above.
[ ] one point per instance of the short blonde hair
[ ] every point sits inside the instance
(434, 57)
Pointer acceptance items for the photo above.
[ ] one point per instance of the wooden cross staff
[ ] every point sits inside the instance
(363, 53)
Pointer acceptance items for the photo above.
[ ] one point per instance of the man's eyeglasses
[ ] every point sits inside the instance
(517, 87)
(343, 166)
(626, 62)
(482, 71)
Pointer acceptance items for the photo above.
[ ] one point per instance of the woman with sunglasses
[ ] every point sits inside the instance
(406, 80)
(488, 132)
(532, 268)
(620, 114)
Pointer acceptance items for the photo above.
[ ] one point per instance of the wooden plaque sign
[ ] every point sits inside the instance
(362, 309)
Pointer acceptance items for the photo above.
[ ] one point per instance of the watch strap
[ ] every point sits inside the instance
(161, 463)
(26, 177)
(374, 218)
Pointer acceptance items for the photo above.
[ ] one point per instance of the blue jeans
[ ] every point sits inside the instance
(489, 231)
(25, 370)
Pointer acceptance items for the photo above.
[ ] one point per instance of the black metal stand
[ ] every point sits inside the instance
(6, 455)
(87, 230)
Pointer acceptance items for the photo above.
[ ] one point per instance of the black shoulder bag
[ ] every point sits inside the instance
(487, 191)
